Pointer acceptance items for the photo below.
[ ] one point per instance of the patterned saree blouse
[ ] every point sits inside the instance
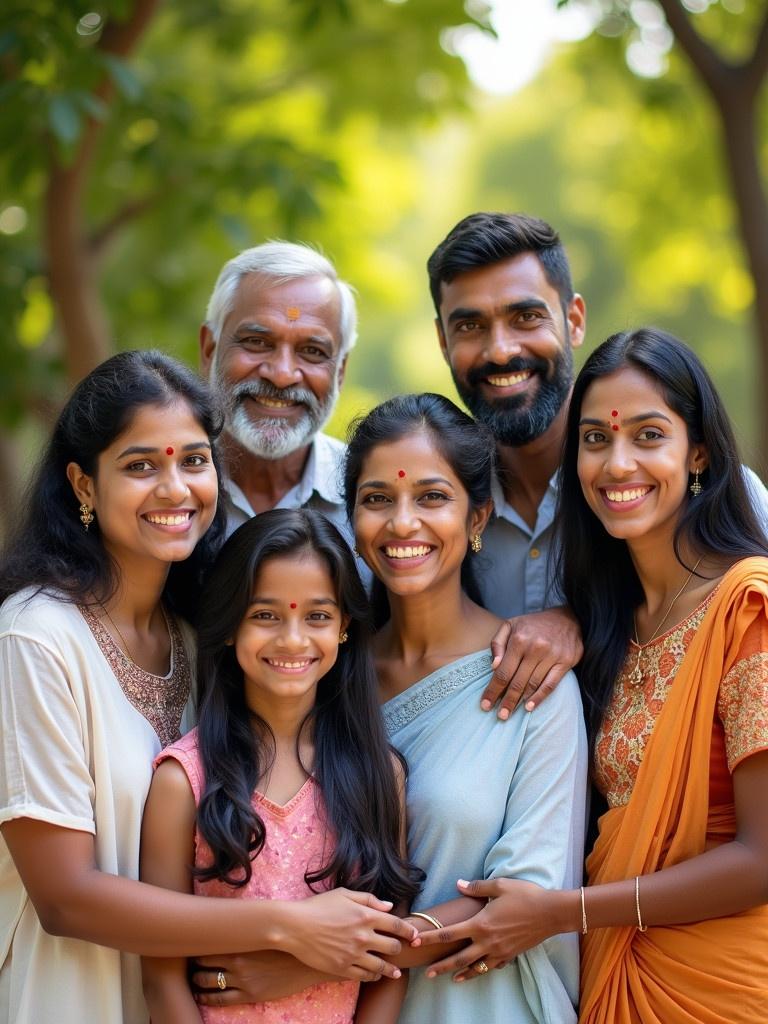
(740, 726)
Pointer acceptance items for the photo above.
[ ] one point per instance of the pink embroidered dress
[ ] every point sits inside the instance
(296, 838)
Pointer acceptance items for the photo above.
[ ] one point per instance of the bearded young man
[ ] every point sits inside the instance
(278, 330)
(508, 320)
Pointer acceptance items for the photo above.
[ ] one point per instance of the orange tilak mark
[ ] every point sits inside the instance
(169, 450)
(293, 312)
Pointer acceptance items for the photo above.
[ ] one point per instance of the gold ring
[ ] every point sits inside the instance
(481, 967)
(221, 981)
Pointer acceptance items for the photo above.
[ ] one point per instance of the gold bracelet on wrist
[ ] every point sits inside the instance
(427, 917)
(640, 926)
(583, 912)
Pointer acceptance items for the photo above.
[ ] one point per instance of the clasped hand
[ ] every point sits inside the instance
(518, 915)
(340, 933)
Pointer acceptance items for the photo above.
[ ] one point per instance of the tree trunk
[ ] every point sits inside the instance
(81, 318)
(72, 261)
(739, 127)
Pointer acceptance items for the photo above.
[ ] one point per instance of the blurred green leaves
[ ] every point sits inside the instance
(229, 122)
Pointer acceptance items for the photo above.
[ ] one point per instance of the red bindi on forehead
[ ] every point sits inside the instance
(169, 450)
(401, 473)
(293, 605)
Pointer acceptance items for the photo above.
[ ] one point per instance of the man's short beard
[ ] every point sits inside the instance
(518, 420)
(271, 437)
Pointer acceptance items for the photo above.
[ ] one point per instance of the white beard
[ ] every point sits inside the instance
(271, 437)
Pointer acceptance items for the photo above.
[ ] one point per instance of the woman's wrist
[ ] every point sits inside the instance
(276, 925)
(567, 911)
(419, 923)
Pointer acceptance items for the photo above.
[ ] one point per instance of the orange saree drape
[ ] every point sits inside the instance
(710, 972)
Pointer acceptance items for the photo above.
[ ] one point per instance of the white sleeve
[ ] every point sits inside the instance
(44, 770)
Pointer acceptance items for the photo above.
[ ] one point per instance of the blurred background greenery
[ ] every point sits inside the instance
(143, 144)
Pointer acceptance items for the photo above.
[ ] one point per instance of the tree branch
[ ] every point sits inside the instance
(120, 38)
(72, 282)
(103, 235)
(756, 68)
(713, 69)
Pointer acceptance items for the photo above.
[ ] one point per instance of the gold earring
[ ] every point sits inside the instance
(696, 487)
(86, 516)
(343, 636)
(476, 543)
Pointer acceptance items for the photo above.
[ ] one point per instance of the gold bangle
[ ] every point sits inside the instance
(641, 927)
(583, 912)
(427, 917)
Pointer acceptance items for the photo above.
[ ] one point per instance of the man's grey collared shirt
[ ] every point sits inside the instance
(320, 487)
(514, 569)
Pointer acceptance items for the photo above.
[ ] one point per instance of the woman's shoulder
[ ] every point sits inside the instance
(565, 698)
(39, 615)
(748, 575)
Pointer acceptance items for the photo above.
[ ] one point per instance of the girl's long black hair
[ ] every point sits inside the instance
(49, 549)
(466, 445)
(353, 762)
(598, 577)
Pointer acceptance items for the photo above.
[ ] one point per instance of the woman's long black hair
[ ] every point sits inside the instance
(466, 445)
(49, 549)
(598, 577)
(353, 762)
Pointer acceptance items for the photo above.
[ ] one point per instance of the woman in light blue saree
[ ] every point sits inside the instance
(486, 798)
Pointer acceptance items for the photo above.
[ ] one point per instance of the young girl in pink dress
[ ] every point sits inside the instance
(287, 787)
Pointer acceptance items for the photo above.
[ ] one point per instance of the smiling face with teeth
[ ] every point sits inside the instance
(413, 531)
(507, 337)
(152, 507)
(276, 368)
(635, 479)
(289, 638)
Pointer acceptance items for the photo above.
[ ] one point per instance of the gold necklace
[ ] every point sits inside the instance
(116, 628)
(637, 676)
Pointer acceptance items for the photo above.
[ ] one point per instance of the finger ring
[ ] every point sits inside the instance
(481, 967)
(221, 981)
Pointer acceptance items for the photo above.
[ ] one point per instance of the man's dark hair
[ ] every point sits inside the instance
(485, 238)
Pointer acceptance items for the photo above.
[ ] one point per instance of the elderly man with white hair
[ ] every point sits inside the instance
(279, 326)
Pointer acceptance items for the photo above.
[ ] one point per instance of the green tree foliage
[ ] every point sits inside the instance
(724, 45)
(631, 173)
(143, 144)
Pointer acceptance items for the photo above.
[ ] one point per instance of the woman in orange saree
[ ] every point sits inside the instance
(664, 563)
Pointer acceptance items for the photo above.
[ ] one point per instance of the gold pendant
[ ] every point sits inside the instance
(636, 676)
